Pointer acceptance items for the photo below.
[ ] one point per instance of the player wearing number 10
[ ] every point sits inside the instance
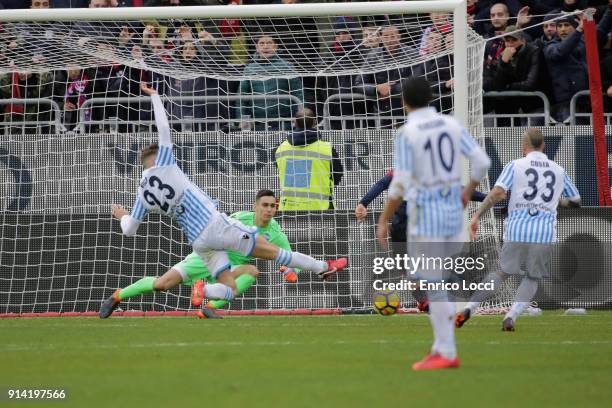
(165, 189)
(427, 174)
(536, 185)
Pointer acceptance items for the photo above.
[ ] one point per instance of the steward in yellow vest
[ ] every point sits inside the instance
(308, 168)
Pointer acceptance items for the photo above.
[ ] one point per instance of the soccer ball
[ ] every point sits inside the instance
(386, 303)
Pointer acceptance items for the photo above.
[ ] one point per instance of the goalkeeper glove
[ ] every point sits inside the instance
(289, 275)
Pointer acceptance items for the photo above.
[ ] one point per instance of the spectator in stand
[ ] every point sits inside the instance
(298, 38)
(385, 87)
(19, 85)
(499, 21)
(26, 39)
(369, 41)
(440, 27)
(606, 82)
(370, 37)
(39, 4)
(566, 58)
(267, 114)
(156, 54)
(208, 51)
(298, 43)
(499, 18)
(489, 15)
(605, 42)
(439, 70)
(232, 31)
(214, 51)
(518, 70)
(549, 32)
(185, 109)
(71, 94)
(107, 82)
(549, 29)
(471, 12)
(530, 24)
(346, 54)
(150, 33)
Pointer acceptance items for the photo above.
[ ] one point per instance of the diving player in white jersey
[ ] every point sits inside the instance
(427, 174)
(165, 189)
(535, 184)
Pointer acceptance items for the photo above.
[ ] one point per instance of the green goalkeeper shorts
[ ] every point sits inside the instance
(192, 268)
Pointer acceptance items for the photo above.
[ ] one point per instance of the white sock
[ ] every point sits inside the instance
(299, 260)
(218, 291)
(516, 310)
(482, 295)
(524, 293)
(441, 313)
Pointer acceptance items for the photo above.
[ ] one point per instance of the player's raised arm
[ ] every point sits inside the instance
(164, 156)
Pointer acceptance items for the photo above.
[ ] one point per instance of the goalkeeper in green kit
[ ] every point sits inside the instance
(192, 271)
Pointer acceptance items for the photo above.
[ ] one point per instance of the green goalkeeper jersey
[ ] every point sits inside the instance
(193, 266)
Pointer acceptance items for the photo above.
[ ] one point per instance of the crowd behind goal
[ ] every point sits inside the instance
(533, 47)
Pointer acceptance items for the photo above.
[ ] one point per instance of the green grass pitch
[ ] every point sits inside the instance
(306, 361)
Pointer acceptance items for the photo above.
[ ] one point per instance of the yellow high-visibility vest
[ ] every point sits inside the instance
(305, 176)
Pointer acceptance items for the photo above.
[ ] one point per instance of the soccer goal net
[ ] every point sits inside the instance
(232, 79)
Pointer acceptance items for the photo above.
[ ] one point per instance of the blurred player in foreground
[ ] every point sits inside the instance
(399, 224)
(427, 174)
(165, 189)
(535, 184)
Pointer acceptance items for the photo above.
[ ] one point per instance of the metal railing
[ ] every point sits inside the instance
(195, 124)
(529, 116)
(186, 123)
(377, 120)
(54, 108)
(574, 115)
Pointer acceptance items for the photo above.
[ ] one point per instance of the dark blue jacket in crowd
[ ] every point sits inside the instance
(399, 221)
(566, 60)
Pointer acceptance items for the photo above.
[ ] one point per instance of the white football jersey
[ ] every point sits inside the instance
(165, 189)
(427, 162)
(535, 184)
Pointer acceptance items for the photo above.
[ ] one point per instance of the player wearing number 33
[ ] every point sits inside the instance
(427, 174)
(165, 189)
(536, 186)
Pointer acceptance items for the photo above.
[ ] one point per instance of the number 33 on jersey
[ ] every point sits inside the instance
(535, 184)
